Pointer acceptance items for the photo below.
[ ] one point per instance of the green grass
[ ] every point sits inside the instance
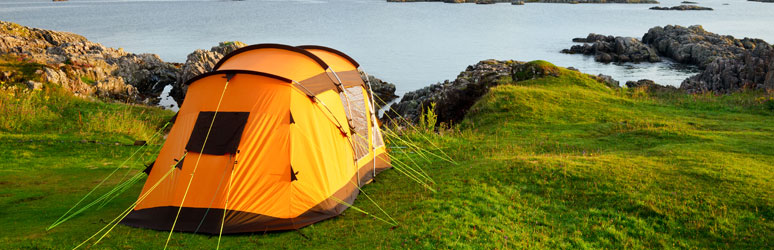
(88, 80)
(555, 162)
(19, 70)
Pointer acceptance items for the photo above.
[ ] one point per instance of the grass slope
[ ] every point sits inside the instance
(554, 162)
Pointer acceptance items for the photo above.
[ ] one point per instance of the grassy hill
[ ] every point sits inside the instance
(553, 162)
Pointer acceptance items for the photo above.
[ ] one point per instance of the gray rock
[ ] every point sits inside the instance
(650, 86)
(454, 98)
(728, 64)
(597, 1)
(531, 1)
(384, 91)
(33, 85)
(614, 49)
(681, 7)
(693, 45)
(608, 80)
(199, 62)
(86, 68)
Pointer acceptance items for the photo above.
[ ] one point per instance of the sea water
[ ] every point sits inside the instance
(410, 44)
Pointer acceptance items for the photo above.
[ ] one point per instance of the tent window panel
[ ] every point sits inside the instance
(378, 141)
(358, 117)
(224, 136)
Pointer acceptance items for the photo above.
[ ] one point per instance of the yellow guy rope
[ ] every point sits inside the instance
(374, 202)
(60, 220)
(361, 210)
(225, 208)
(123, 214)
(197, 163)
(447, 158)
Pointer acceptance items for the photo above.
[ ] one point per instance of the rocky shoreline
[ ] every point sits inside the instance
(91, 70)
(520, 2)
(681, 8)
(728, 64)
(86, 68)
(453, 99)
(613, 49)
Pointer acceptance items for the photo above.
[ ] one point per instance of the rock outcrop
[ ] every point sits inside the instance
(456, 1)
(86, 68)
(614, 49)
(384, 91)
(681, 7)
(517, 2)
(650, 86)
(453, 98)
(607, 80)
(754, 69)
(728, 64)
(595, 1)
(693, 45)
(198, 62)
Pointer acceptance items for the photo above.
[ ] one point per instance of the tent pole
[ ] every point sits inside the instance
(374, 122)
(349, 121)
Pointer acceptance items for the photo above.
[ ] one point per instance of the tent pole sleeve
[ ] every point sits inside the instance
(374, 123)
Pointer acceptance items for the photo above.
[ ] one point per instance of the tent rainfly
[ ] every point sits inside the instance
(275, 137)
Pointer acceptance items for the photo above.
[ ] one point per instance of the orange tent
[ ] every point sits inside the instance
(274, 138)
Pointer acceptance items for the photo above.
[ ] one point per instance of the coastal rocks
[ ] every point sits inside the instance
(199, 62)
(639, 83)
(607, 80)
(754, 69)
(595, 1)
(681, 7)
(693, 45)
(762, 1)
(456, 1)
(454, 98)
(614, 49)
(33, 85)
(86, 68)
(728, 64)
(384, 91)
(517, 2)
(147, 72)
(650, 86)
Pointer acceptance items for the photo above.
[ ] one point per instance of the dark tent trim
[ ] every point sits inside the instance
(357, 65)
(162, 218)
(236, 72)
(270, 46)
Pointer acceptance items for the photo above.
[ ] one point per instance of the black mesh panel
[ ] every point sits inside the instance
(224, 136)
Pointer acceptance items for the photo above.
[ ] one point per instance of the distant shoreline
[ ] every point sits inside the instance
(519, 2)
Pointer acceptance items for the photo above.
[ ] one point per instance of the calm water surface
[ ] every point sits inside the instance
(410, 44)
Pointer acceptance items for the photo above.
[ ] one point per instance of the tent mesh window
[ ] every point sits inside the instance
(224, 136)
(353, 99)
